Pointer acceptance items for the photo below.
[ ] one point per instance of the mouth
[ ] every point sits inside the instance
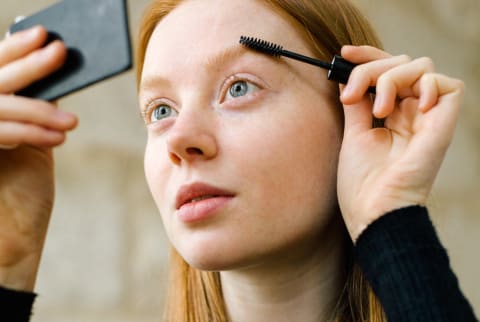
(201, 198)
(197, 192)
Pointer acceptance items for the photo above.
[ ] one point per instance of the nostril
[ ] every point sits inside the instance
(196, 151)
(175, 158)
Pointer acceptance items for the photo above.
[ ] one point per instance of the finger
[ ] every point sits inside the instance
(433, 130)
(363, 54)
(358, 116)
(366, 75)
(21, 73)
(432, 87)
(21, 43)
(399, 82)
(428, 92)
(444, 114)
(14, 134)
(26, 110)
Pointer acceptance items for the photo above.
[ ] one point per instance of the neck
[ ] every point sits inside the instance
(305, 285)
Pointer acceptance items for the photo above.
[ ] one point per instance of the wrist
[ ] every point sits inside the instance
(20, 276)
(358, 221)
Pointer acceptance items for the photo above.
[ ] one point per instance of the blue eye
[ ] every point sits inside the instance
(240, 88)
(161, 112)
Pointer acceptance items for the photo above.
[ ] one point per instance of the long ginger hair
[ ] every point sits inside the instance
(195, 295)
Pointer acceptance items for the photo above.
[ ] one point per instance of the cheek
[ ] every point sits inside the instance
(287, 158)
(156, 171)
(285, 167)
(305, 165)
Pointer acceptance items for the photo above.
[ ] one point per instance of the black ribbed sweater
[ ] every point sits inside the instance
(400, 255)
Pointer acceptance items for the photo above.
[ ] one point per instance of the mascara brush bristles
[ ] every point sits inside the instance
(338, 70)
(277, 50)
(261, 45)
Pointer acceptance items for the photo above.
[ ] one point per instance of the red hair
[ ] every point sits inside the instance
(196, 296)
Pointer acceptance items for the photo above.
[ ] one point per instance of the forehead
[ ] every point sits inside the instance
(197, 29)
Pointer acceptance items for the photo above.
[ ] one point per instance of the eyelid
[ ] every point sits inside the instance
(240, 77)
(151, 105)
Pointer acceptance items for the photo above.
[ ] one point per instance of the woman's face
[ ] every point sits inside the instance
(242, 147)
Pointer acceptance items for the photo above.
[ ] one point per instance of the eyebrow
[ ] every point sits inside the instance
(221, 58)
(226, 55)
(234, 52)
(212, 62)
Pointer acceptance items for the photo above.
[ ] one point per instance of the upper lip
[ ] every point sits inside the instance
(189, 192)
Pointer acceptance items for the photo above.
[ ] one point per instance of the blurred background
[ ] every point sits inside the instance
(106, 253)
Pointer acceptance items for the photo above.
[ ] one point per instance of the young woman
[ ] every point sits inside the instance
(273, 184)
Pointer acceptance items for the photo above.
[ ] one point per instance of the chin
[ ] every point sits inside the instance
(211, 259)
(211, 265)
(215, 256)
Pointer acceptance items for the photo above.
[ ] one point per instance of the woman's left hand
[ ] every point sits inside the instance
(382, 169)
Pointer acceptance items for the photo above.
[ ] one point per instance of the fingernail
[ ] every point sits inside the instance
(32, 32)
(377, 105)
(346, 92)
(50, 50)
(64, 116)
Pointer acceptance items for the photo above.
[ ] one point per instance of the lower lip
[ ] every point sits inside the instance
(203, 209)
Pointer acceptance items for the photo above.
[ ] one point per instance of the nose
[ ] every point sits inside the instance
(192, 137)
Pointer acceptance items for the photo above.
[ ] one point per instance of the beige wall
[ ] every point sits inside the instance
(106, 251)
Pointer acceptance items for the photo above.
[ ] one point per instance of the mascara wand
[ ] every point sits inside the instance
(338, 70)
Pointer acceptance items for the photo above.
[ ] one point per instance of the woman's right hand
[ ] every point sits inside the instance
(29, 129)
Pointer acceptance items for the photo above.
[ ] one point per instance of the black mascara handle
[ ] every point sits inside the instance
(340, 70)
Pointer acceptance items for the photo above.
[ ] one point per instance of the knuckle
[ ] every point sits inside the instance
(426, 62)
(428, 78)
(405, 58)
(364, 73)
(358, 71)
(460, 85)
(385, 78)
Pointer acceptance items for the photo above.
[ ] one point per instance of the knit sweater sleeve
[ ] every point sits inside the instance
(15, 306)
(409, 270)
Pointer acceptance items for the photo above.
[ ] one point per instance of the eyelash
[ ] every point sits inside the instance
(150, 108)
(229, 82)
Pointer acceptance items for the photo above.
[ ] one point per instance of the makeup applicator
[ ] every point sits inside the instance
(338, 70)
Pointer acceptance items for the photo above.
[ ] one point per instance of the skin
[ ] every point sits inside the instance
(275, 247)
(279, 249)
(420, 108)
(263, 146)
(275, 148)
(29, 128)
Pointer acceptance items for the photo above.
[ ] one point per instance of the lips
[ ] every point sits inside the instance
(197, 192)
